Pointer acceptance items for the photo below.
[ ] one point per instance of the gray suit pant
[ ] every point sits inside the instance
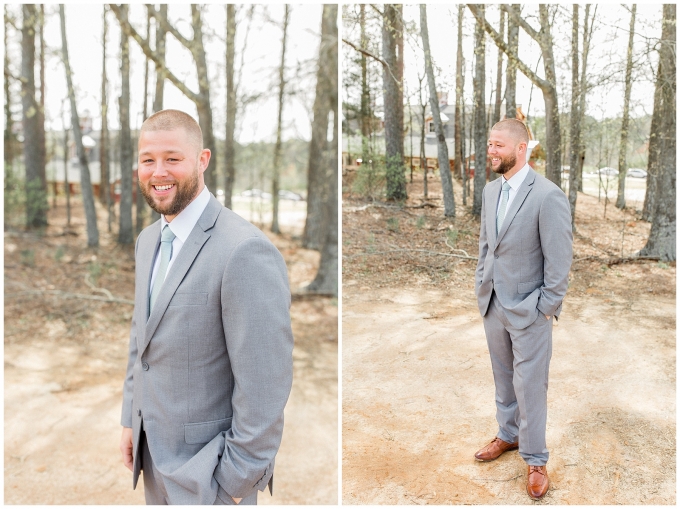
(520, 359)
(154, 489)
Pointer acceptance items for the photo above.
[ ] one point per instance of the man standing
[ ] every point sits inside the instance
(525, 250)
(210, 364)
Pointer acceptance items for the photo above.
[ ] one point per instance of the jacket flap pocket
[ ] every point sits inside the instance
(529, 286)
(204, 432)
(189, 299)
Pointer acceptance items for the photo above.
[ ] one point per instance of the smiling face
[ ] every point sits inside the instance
(507, 152)
(170, 170)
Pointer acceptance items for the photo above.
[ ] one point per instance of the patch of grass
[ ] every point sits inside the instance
(662, 265)
(393, 224)
(420, 222)
(59, 254)
(452, 236)
(95, 270)
(28, 257)
(371, 243)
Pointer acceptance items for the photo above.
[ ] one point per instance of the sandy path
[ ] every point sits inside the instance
(418, 401)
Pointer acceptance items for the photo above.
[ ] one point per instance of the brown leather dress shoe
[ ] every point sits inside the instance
(537, 482)
(494, 450)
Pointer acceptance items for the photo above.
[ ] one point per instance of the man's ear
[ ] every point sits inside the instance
(203, 160)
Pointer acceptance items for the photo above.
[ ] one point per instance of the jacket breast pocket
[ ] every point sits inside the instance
(529, 286)
(204, 432)
(189, 299)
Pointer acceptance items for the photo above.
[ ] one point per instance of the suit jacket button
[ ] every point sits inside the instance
(139, 413)
(145, 366)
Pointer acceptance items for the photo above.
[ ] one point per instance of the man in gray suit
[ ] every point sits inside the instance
(525, 250)
(210, 363)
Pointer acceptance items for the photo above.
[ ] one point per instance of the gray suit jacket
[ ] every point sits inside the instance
(527, 264)
(211, 370)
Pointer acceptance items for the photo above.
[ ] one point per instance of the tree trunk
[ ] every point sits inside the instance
(364, 111)
(9, 136)
(317, 182)
(392, 46)
(442, 149)
(279, 127)
(105, 187)
(423, 159)
(460, 102)
(479, 116)
(326, 280)
(34, 157)
(85, 182)
(125, 235)
(662, 144)
(160, 70)
(511, 69)
(41, 110)
(229, 165)
(499, 76)
(140, 202)
(587, 35)
(575, 120)
(623, 146)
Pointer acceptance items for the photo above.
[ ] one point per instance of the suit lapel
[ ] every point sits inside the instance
(491, 206)
(185, 259)
(517, 202)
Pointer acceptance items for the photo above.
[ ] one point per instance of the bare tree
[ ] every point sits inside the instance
(85, 181)
(548, 86)
(326, 280)
(511, 69)
(442, 149)
(662, 145)
(393, 98)
(459, 159)
(317, 181)
(364, 111)
(583, 89)
(160, 51)
(125, 235)
(9, 136)
(423, 104)
(479, 115)
(229, 155)
(105, 187)
(34, 156)
(575, 120)
(140, 202)
(279, 127)
(499, 74)
(197, 50)
(623, 146)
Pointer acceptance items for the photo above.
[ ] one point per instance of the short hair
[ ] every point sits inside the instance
(169, 120)
(516, 128)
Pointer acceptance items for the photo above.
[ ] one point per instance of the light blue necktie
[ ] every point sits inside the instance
(505, 195)
(166, 254)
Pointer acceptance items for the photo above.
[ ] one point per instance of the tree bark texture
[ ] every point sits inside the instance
(140, 202)
(105, 187)
(623, 145)
(34, 157)
(325, 100)
(279, 127)
(229, 156)
(160, 70)
(575, 120)
(125, 234)
(365, 109)
(662, 145)
(392, 48)
(442, 149)
(499, 75)
(511, 68)
(459, 160)
(85, 181)
(9, 136)
(587, 35)
(479, 116)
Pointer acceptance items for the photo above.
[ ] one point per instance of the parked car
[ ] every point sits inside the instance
(607, 171)
(256, 193)
(637, 173)
(284, 194)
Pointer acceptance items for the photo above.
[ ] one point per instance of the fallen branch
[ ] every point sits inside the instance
(422, 205)
(96, 289)
(67, 295)
(446, 241)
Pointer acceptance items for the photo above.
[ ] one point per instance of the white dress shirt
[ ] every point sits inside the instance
(181, 226)
(515, 182)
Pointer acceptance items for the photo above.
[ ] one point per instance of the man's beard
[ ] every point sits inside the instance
(506, 164)
(184, 195)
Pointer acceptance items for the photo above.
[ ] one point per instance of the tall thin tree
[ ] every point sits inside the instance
(229, 145)
(125, 234)
(442, 149)
(460, 103)
(479, 113)
(85, 180)
(279, 127)
(623, 145)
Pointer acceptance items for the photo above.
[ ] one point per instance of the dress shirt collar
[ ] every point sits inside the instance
(185, 221)
(516, 180)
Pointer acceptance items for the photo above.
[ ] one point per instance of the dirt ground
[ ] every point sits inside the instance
(65, 361)
(418, 392)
